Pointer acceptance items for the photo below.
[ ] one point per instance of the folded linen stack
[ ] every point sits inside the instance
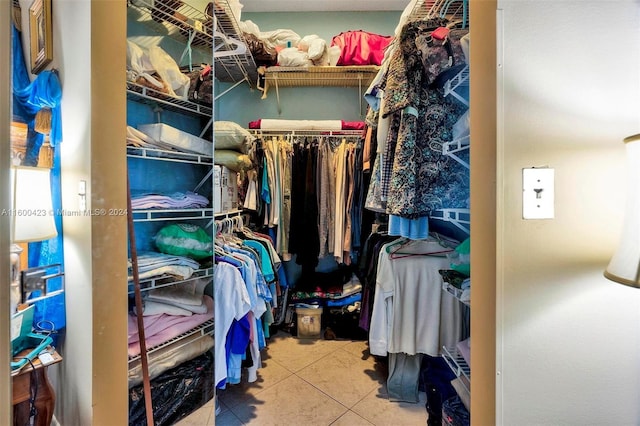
(185, 299)
(177, 200)
(151, 264)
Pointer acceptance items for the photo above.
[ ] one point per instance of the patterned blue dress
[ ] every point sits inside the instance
(418, 176)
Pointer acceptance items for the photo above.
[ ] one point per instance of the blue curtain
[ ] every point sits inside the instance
(29, 98)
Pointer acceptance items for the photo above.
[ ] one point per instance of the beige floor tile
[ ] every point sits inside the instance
(269, 375)
(351, 419)
(227, 418)
(201, 417)
(359, 348)
(221, 406)
(343, 376)
(377, 409)
(294, 354)
(291, 402)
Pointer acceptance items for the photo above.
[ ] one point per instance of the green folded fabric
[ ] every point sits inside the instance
(183, 239)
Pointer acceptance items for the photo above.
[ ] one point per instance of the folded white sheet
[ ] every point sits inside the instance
(275, 124)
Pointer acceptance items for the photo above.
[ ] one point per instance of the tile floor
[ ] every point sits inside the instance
(314, 383)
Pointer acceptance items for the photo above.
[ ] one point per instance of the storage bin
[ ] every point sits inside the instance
(181, 141)
(309, 322)
(225, 189)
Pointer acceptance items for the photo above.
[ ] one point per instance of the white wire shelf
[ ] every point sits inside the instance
(457, 84)
(319, 132)
(172, 156)
(167, 280)
(206, 328)
(228, 214)
(237, 67)
(458, 365)
(453, 10)
(461, 218)
(149, 95)
(320, 76)
(456, 146)
(152, 215)
(455, 292)
(177, 20)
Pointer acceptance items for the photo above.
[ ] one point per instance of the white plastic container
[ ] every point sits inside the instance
(309, 322)
(178, 139)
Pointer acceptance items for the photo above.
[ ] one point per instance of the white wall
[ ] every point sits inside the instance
(91, 380)
(72, 56)
(568, 340)
(72, 378)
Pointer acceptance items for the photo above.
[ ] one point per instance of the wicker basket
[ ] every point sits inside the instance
(19, 147)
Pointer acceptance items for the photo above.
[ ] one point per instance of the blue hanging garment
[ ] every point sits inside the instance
(29, 98)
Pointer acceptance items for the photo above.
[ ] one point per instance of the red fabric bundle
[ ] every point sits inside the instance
(361, 47)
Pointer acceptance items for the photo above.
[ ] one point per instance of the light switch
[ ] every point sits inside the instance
(82, 195)
(538, 193)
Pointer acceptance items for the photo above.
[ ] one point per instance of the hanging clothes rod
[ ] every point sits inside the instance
(315, 132)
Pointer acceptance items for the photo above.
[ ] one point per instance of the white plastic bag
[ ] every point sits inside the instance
(317, 49)
(334, 55)
(139, 66)
(169, 70)
(292, 57)
(314, 46)
(138, 59)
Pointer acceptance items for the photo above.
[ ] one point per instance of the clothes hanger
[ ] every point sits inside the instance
(399, 241)
(396, 253)
(240, 47)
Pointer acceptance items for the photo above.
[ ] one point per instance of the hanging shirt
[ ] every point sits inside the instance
(265, 260)
(340, 201)
(285, 158)
(231, 302)
(326, 198)
(411, 313)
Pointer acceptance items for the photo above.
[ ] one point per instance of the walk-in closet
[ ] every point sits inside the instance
(298, 183)
(262, 212)
(307, 190)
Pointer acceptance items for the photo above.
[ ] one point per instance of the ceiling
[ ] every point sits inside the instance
(321, 5)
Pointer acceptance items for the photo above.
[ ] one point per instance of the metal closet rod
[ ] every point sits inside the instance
(284, 132)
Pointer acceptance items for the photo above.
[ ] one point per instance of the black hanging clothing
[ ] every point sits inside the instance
(310, 246)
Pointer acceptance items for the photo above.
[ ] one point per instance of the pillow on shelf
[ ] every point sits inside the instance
(232, 160)
(232, 136)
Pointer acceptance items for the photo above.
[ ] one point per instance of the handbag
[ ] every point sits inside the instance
(201, 86)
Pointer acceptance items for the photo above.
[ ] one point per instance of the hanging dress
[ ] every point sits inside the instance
(426, 119)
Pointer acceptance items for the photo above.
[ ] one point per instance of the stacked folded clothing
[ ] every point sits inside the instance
(161, 328)
(345, 294)
(186, 296)
(152, 264)
(177, 200)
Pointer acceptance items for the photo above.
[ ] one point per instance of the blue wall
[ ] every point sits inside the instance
(312, 103)
(326, 24)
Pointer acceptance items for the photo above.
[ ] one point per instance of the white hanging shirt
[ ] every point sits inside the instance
(231, 302)
(411, 313)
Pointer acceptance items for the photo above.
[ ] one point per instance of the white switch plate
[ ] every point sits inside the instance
(538, 193)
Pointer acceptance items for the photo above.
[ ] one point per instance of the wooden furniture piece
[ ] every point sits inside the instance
(24, 384)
